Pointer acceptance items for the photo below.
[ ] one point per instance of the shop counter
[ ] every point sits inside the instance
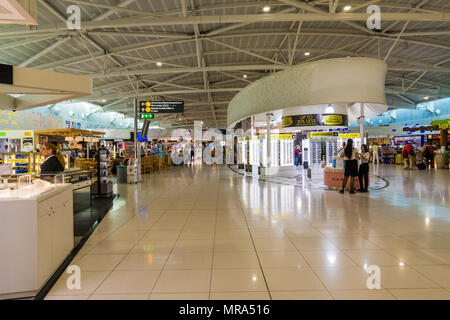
(36, 236)
(333, 177)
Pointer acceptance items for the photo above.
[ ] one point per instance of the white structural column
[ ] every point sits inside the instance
(361, 123)
(269, 145)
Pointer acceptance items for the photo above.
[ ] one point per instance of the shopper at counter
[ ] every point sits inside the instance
(350, 156)
(364, 169)
(54, 160)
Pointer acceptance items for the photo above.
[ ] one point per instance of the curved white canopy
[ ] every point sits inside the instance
(343, 80)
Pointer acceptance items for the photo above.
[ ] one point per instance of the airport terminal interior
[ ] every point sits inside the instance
(224, 150)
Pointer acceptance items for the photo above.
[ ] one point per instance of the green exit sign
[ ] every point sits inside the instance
(147, 116)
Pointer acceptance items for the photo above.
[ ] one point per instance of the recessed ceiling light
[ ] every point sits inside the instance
(346, 8)
(426, 98)
(244, 76)
(103, 100)
(307, 53)
(266, 8)
(159, 64)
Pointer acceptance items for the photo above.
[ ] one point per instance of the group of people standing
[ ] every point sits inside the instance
(350, 155)
(425, 156)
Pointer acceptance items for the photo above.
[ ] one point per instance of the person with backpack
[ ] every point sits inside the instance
(429, 155)
(350, 156)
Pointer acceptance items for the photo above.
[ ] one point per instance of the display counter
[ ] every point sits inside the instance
(36, 236)
(333, 177)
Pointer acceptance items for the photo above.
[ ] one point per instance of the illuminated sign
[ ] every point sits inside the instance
(309, 120)
(147, 116)
(151, 107)
(349, 135)
(323, 134)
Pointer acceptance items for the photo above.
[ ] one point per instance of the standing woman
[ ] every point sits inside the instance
(54, 160)
(364, 169)
(350, 156)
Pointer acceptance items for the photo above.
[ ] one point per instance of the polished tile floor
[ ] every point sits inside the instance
(209, 233)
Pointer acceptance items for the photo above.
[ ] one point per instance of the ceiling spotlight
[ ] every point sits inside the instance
(307, 53)
(426, 98)
(159, 64)
(266, 9)
(346, 8)
(104, 100)
(244, 76)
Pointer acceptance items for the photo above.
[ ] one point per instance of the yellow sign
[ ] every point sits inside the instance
(332, 119)
(322, 134)
(287, 122)
(349, 135)
(148, 104)
(27, 134)
(148, 109)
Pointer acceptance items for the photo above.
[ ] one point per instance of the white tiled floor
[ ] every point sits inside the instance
(209, 233)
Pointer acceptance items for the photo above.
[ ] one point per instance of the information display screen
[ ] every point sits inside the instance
(152, 107)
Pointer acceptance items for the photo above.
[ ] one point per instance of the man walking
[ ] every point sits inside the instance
(375, 155)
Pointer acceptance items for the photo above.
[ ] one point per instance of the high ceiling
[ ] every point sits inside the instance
(205, 51)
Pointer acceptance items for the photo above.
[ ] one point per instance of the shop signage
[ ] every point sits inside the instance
(322, 134)
(443, 124)
(349, 135)
(149, 107)
(6, 74)
(308, 120)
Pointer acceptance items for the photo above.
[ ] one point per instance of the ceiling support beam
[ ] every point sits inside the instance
(237, 25)
(292, 53)
(250, 18)
(242, 50)
(363, 5)
(44, 52)
(310, 8)
(201, 62)
(110, 12)
(395, 42)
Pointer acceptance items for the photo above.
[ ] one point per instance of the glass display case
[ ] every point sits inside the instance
(103, 184)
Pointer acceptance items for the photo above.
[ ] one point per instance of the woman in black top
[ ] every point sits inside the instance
(350, 156)
(54, 161)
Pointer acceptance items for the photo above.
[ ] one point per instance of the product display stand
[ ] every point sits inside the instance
(103, 186)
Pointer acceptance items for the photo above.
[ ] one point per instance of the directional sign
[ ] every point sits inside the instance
(146, 107)
(147, 116)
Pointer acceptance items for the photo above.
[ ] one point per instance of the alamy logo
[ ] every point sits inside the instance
(374, 280)
(374, 21)
(74, 20)
(73, 282)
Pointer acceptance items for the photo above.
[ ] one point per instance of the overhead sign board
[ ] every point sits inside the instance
(443, 124)
(152, 107)
(6, 74)
(349, 135)
(322, 134)
(309, 120)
